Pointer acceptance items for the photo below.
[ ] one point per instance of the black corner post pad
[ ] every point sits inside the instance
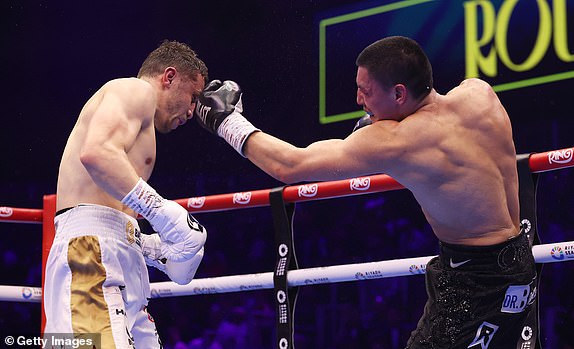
(527, 187)
(285, 298)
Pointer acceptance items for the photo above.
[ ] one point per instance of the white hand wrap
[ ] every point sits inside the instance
(235, 129)
(179, 272)
(143, 199)
(181, 235)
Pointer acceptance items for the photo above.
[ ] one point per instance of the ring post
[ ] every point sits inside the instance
(285, 299)
(48, 234)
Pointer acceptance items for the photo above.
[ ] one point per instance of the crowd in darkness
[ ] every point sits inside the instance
(368, 314)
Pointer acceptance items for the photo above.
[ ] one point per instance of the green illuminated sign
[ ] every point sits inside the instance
(483, 31)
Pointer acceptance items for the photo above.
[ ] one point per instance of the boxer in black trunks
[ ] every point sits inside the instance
(480, 297)
(454, 152)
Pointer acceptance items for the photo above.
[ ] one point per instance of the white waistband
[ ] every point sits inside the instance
(90, 219)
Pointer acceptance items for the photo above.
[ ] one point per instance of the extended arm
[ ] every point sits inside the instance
(363, 152)
(320, 161)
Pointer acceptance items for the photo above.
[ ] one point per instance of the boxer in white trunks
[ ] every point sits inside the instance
(96, 275)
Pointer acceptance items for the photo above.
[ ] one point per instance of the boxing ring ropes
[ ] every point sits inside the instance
(286, 278)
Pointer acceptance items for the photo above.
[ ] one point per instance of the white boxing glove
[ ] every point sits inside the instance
(181, 235)
(151, 250)
(183, 272)
(179, 272)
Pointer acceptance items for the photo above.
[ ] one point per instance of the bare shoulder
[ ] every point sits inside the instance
(129, 87)
(475, 82)
(475, 90)
(474, 85)
(135, 96)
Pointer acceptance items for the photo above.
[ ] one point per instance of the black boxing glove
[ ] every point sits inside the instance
(218, 109)
(363, 121)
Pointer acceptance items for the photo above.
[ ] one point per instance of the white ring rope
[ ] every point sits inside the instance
(548, 253)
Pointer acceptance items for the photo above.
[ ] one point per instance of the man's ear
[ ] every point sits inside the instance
(168, 75)
(401, 93)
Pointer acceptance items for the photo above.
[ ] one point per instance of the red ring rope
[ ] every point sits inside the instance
(539, 162)
(21, 215)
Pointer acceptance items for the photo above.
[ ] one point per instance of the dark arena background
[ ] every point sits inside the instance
(294, 60)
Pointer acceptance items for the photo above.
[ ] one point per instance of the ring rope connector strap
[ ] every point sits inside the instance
(527, 188)
(285, 298)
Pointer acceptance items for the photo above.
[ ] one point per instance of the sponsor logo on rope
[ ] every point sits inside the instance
(371, 274)
(569, 251)
(242, 198)
(161, 292)
(563, 156)
(557, 253)
(374, 274)
(417, 269)
(204, 290)
(566, 252)
(26, 293)
(316, 281)
(361, 183)
(6, 211)
(197, 202)
(250, 287)
(307, 190)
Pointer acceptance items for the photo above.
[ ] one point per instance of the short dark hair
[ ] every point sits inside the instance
(398, 60)
(173, 54)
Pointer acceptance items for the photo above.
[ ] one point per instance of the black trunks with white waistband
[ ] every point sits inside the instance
(481, 297)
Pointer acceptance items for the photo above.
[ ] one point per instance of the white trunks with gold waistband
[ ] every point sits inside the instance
(97, 280)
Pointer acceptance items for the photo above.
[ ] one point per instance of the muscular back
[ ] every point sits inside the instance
(454, 152)
(112, 139)
(461, 165)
